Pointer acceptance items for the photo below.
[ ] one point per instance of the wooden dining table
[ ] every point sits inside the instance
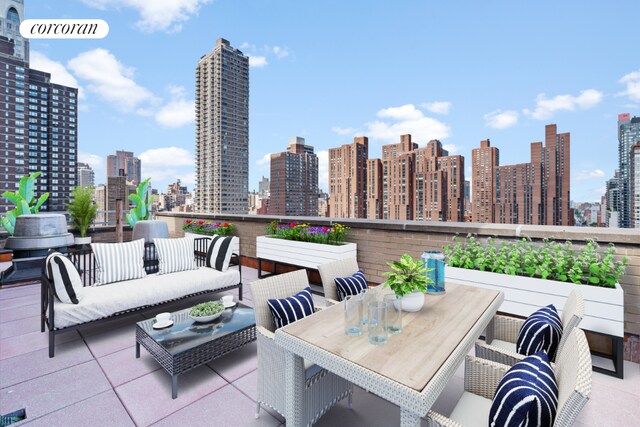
(411, 370)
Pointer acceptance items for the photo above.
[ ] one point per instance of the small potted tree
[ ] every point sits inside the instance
(82, 212)
(408, 280)
(139, 217)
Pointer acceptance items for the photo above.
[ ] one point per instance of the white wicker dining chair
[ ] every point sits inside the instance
(481, 378)
(502, 333)
(330, 270)
(322, 388)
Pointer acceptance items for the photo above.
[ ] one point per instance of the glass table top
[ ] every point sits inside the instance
(186, 334)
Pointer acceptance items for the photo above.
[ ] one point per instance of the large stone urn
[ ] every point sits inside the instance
(149, 230)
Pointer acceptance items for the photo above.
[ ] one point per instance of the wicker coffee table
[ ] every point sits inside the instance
(187, 345)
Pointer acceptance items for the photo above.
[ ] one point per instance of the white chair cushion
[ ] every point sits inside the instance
(505, 345)
(104, 301)
(119, 261)
(175, 255)
(471, 410)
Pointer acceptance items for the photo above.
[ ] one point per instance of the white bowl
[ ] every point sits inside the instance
(205, 319)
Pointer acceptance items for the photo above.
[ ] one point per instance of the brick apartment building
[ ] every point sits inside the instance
(528, 193)
(348, 179)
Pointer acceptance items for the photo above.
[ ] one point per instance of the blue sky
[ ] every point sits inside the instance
(329, 70)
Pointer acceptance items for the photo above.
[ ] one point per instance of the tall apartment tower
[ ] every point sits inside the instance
(294, 180)
(124, 163)
(528, 193)
(484, 161)
(347, 179)
(373, 189)
(628, 135)
(635, 185)
(398, 163)
(612, 201)
(86, 176)
(222, 130)
(40, 131)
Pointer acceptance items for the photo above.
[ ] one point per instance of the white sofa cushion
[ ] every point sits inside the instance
(119, 261)
(104, 301)
(175, 255)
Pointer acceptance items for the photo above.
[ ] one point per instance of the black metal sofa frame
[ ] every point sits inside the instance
(86, 264)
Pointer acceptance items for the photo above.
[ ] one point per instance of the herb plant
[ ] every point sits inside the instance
(552, 260)
(209, 308)
(406, 276)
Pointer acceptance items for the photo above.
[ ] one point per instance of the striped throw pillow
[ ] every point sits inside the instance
(351, 285)
(541, 331)
(219, 253)
(175, 255)
(527, 394)
(119, 261)
(288, 310)
(67, 284)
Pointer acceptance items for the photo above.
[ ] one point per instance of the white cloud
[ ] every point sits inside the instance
(247, 45)
(167, 163)
(110, 79)
(406, 119)
(343, 131)
(451, 148)
(546, 107)
(437, 107)
(632, 80)
(258, 61)
(281, 52)
(323, 170)
(59, 73)
(599, 191)
(264, 160)
(97, 163)
(155, 15)
(586, 175)
(499, 119)
(179, 111)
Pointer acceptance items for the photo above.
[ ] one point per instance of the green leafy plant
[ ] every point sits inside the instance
(208, 228)
(330, 235)
(552, 260)
(406, 276)
(24, 200)
(82, 210)
(142, 203)
(209, 308)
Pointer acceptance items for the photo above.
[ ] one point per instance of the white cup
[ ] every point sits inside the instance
(227, 299)
(163, 317)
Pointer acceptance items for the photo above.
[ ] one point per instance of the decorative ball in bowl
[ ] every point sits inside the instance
(206, 312)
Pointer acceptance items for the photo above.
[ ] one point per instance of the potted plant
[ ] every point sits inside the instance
(82, 212)
(304, 245)
(535, 275)
(208, 228)
(408, 280)
(139, 216)
(24, 200)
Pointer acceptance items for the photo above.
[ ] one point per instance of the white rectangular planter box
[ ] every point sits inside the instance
(235, 242)
(304, 254)
(603, 307)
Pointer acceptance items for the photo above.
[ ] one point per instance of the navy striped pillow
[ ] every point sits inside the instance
(351, 285)
(527, 394)
(288, 310)
(541, 331)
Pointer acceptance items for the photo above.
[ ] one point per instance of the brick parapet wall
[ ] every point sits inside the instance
(380, 241)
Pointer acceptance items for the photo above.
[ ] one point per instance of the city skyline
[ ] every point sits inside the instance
(340, 89)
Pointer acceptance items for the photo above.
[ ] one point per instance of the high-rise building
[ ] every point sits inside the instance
(263, 186)
(294, 180)
(100, 196)
(118, 188)
(373, 189)
(484, 161)
(398, 165)
(222, 130)
(347, 179)
(124, 163)
(527, 193)
(628, 135)
(86, 176)
(40, 131)
(635, 185)
(612, 201)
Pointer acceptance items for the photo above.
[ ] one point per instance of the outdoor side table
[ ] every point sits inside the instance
(187, 344)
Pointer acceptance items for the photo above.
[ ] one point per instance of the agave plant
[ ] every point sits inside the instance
(24, 200)
(82, 210)
(142, 203)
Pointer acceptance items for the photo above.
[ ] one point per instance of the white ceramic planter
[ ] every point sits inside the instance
(411, 302)
(603, 307)
(304, 254)
(82, 240)
(235, 243)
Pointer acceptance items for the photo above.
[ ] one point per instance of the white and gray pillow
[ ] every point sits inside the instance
(175, 255)
(219, 253)
(119, 261)
(67, 284)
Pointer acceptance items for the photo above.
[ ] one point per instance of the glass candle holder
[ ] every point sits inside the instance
(353, 315)
(394, 313)
(378, 323)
